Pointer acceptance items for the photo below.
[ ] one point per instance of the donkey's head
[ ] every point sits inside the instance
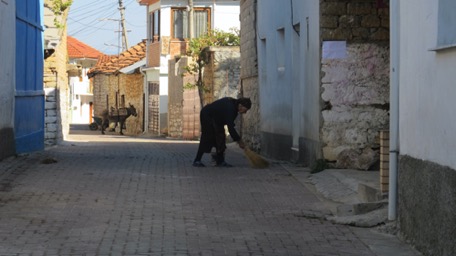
(132, 110)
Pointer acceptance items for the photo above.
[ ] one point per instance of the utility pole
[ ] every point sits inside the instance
(191, 26)
(124, 29)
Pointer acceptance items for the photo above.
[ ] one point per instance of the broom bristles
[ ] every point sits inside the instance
(255, 160)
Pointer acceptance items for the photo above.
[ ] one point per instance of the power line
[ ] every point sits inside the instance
(93, 12)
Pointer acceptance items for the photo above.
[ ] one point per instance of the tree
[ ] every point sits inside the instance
(198, 50)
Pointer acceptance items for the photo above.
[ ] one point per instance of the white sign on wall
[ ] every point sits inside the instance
(334, 50)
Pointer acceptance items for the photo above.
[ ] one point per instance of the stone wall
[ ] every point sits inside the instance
(176, 96)
(249, 74)
(57, 116)
(222, 73)
(355, 85)
(354, 20)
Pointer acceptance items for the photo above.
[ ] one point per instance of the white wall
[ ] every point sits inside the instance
(427, 87)
(7, 63)
(226, 15)
(289, 68)
(81, 96)
(307, 14)
(274, 57)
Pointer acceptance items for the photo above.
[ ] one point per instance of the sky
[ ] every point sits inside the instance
(90, 21)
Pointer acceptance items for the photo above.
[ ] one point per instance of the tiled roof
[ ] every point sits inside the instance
(77, 49)
(111, 64)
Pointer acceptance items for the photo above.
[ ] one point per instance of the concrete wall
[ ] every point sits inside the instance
(306, 93)
(289, 71)
(427, 169)
(7, 77)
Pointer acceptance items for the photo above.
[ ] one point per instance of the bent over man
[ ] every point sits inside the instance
(213, 118)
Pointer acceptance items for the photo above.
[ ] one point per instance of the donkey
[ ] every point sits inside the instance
(117, 116)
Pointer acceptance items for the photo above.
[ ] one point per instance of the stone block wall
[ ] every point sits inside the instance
(57, 115)
(100, 88)
(249, 74)
(132, 89)
(175, 96)
(354, 20)
(184, 103)
(354, 86)
(222, 73)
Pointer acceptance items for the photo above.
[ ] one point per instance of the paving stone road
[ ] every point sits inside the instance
(118, 195)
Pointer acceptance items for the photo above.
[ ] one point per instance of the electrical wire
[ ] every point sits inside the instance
(87, 20)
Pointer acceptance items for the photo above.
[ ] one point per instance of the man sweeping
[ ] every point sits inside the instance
(213, 118)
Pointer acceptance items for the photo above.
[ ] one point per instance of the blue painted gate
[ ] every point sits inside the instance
(29, 98)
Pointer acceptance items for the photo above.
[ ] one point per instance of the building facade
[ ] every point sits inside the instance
(81, 58)
(167, 37)
(423, 91)
(321, 66)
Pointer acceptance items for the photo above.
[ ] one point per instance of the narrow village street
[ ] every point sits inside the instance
(120, 195)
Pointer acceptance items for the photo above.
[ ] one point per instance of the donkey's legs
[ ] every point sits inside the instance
(121, 126)
(104, 125)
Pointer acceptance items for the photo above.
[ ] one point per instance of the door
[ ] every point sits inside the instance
(29, 97)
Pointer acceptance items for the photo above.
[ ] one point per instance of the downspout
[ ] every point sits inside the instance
(145, 84)
(394, 107)
(146, 101)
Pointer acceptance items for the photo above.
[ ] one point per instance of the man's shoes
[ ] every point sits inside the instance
(198, 164)
(223, 164)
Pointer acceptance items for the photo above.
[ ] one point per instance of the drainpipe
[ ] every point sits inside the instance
(146, 101)
(394, 107)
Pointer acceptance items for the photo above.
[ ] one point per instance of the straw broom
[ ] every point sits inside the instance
(255, 160)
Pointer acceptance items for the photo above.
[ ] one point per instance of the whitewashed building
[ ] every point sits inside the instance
(82, 57)
(423, 91)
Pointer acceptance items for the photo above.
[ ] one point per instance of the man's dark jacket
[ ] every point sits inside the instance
(214, 117)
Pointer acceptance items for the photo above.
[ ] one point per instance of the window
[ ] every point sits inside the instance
(280, 50)
(446, 36)
(154, 26)
(201, 22)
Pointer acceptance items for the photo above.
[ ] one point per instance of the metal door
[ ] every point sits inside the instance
(154, 109)
(29, 97)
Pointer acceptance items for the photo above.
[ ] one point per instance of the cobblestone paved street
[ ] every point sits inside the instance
(118, 195)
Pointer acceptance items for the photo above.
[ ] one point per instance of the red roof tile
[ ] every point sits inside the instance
(77, 49)
(111, 64)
